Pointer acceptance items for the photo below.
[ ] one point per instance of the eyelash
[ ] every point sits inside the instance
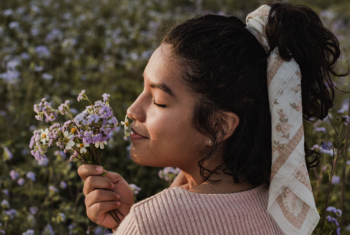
(160, 105)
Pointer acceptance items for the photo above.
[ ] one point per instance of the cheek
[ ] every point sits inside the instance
(173, 141)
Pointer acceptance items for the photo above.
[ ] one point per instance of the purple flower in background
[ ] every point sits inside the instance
(340, 111)
(5, 191)
(12, 213)
(5, 203)
(7, 12)
(31, 175)
(326, 145)
(39, 68)
(13, 25)
(25, 56)
(348, 162)
(53, 188)
(331, 209)
(335, 179)
(99, 231)
(338, 231)
(320, 129)
(105, 97)
(43, 51)
(33, 210)
(29, 232)
(345, 119)
(54, 34)
(46, 76)
(81, 95)
(135, 189)
(2, 231)
(8, 153)
(48, 229)
(347, 228)
(20, 182)
(10, 75)
(61, 153)
(14, 175)
(63, 216)
(63, 184)
(43, 162)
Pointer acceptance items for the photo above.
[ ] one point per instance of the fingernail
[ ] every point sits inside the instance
(99, 169)
(118, 203)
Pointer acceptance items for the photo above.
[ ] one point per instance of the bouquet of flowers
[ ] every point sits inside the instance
(84, 135)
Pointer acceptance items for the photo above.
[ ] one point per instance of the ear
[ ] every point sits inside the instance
(229, 122)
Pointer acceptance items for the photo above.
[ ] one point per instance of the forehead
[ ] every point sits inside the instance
(161, 68)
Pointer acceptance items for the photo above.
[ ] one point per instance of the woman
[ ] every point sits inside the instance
(218, 104)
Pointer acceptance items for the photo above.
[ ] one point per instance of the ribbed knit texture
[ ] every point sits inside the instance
(177, 211)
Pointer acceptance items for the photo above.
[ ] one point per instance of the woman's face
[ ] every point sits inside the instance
(163, 114)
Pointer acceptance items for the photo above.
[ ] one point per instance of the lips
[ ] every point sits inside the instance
(135, 135)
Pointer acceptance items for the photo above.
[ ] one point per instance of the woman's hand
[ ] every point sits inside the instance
(180, 181)
(99, 200)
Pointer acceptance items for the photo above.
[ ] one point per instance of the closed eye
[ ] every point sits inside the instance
(160, 105)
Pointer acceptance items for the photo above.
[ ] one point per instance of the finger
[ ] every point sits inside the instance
(100, 195)
(95, 211)
(96, 182)
(87, 170)
(114, 177)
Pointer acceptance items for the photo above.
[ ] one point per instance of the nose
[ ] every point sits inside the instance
(136, 111)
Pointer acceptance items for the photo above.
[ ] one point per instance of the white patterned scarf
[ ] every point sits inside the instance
(291, 201)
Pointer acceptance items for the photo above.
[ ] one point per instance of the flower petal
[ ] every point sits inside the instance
(96, 144)
(101, 145)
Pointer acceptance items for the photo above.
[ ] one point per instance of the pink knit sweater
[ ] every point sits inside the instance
(177, 211)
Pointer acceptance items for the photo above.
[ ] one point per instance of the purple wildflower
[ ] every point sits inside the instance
(318, 129)
(31, 175)
(20, 182)
(47, 76)
(5, 203)
(335, 179)
(106, 97)
(5, 191)
(345, 119)
(63, 185)
(42, 51)
(63, 216)
(12, 213)
(14, 175)
(326, 145)
(53, 188)
(33, 210)
(81, 95)
(331, 209)
(43, 162)
(28, 232)
(8, 153)
(340, 111)
(134, 188)
(48, 229)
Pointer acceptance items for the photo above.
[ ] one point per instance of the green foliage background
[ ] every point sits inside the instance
(102, 47)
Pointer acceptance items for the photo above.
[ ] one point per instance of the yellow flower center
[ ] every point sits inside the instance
(73, 130)
(44, 136)
(127, 124)
(81, 145)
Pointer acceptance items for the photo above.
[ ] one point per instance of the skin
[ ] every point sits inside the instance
(170, 141)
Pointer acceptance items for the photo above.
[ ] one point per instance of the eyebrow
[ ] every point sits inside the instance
(162, 87)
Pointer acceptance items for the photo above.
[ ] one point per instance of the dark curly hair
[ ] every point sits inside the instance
(225, 67)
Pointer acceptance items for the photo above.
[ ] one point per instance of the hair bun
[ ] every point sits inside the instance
(298, 33)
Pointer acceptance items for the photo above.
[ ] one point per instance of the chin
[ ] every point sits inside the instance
(143, 160)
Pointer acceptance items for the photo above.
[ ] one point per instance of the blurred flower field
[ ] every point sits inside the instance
(55, 49)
